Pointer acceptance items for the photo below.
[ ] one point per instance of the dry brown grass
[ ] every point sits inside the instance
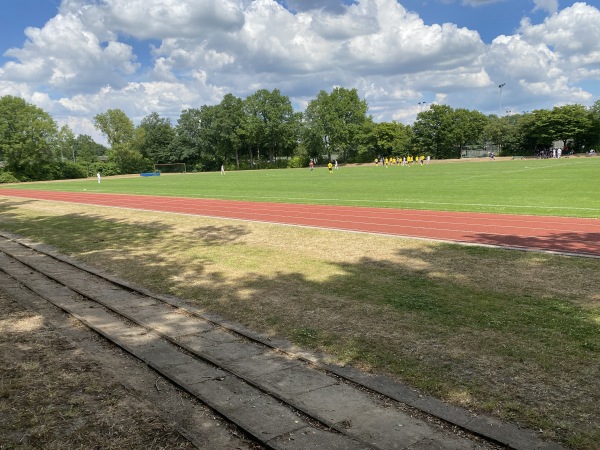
(53, 397)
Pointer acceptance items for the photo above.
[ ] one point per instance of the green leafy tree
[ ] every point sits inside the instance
(65, 144)
(229, 121)
(506, 133)
(593, 137)
(120, 134)
(27, 139)
(87, 150)
(467, 127)
(334, 122)
(116, 126)
(538, 130)
(197, 138)
(387, 139)
(433, 132)
(571, 123)
(186, 144)
(270, 124)
(155, 139)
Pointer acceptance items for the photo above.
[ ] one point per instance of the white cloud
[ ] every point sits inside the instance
(550, 6)
(83, 60)
(159, 19)
(67, 57)
(543, 63)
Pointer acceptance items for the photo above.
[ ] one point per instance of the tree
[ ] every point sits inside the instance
(66, 143)
(538, 129)
(334, 121)
(387, 139)
(116, 126)
(186, 145)
(155, 139)
(120, 134)
(87, 150)
(506, 133)
(270, 124)
(27, 138)
(230, 117)
(467, 127)
(433, 131)
(593, 137)
(571, 123)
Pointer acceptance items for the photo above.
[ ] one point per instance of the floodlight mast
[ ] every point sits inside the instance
(500, 87)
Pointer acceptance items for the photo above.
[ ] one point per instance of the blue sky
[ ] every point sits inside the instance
(76, 58)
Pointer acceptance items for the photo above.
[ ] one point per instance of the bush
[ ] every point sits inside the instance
(107, 169)
(298, 162)
(68, 170)
(7, 177)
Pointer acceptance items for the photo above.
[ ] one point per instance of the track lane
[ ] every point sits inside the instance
(543, 233)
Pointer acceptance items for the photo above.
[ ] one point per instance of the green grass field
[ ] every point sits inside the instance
(566, 187)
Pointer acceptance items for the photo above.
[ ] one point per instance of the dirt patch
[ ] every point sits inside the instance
(54, 395)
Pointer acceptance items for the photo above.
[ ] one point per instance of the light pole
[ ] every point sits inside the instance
(500, 87)
(422, 105)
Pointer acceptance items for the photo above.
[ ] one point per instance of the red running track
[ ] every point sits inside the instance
(542, 233)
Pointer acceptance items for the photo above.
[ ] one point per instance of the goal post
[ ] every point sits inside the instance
(170, 168)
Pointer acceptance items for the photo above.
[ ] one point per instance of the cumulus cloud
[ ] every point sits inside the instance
(67, 57)
(545, 61)
(159, 19)
(550, 6)
(84, 61)
(332, 6)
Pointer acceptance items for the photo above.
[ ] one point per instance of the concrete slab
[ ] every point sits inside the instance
(83, 308)
(266, 418)
(392, 428)
(129, 302)
(336, 403)
(193, 372)
(226, 393)
(448, 444)
(438, 408)
(176, 324)
(258, 366)
(168, 321)
(217, 336)
(158, 353)
(378, 383)
(505, 433)
(315, 439)
(295, 380)
(198, 343)
(227, 352)
(552, 446)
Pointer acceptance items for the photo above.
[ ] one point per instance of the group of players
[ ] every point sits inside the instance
(397, 161)
(404, 161)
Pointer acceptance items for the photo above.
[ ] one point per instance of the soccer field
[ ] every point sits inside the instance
(566, 187)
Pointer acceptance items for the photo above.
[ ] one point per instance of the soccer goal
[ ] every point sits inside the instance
(170, 168)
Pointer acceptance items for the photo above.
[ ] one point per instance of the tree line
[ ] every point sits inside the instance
(264, 131)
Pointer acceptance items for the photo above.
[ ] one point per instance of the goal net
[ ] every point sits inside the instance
(170, 168)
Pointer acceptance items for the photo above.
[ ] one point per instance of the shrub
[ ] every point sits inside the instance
(298, 161)
(7, 177)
